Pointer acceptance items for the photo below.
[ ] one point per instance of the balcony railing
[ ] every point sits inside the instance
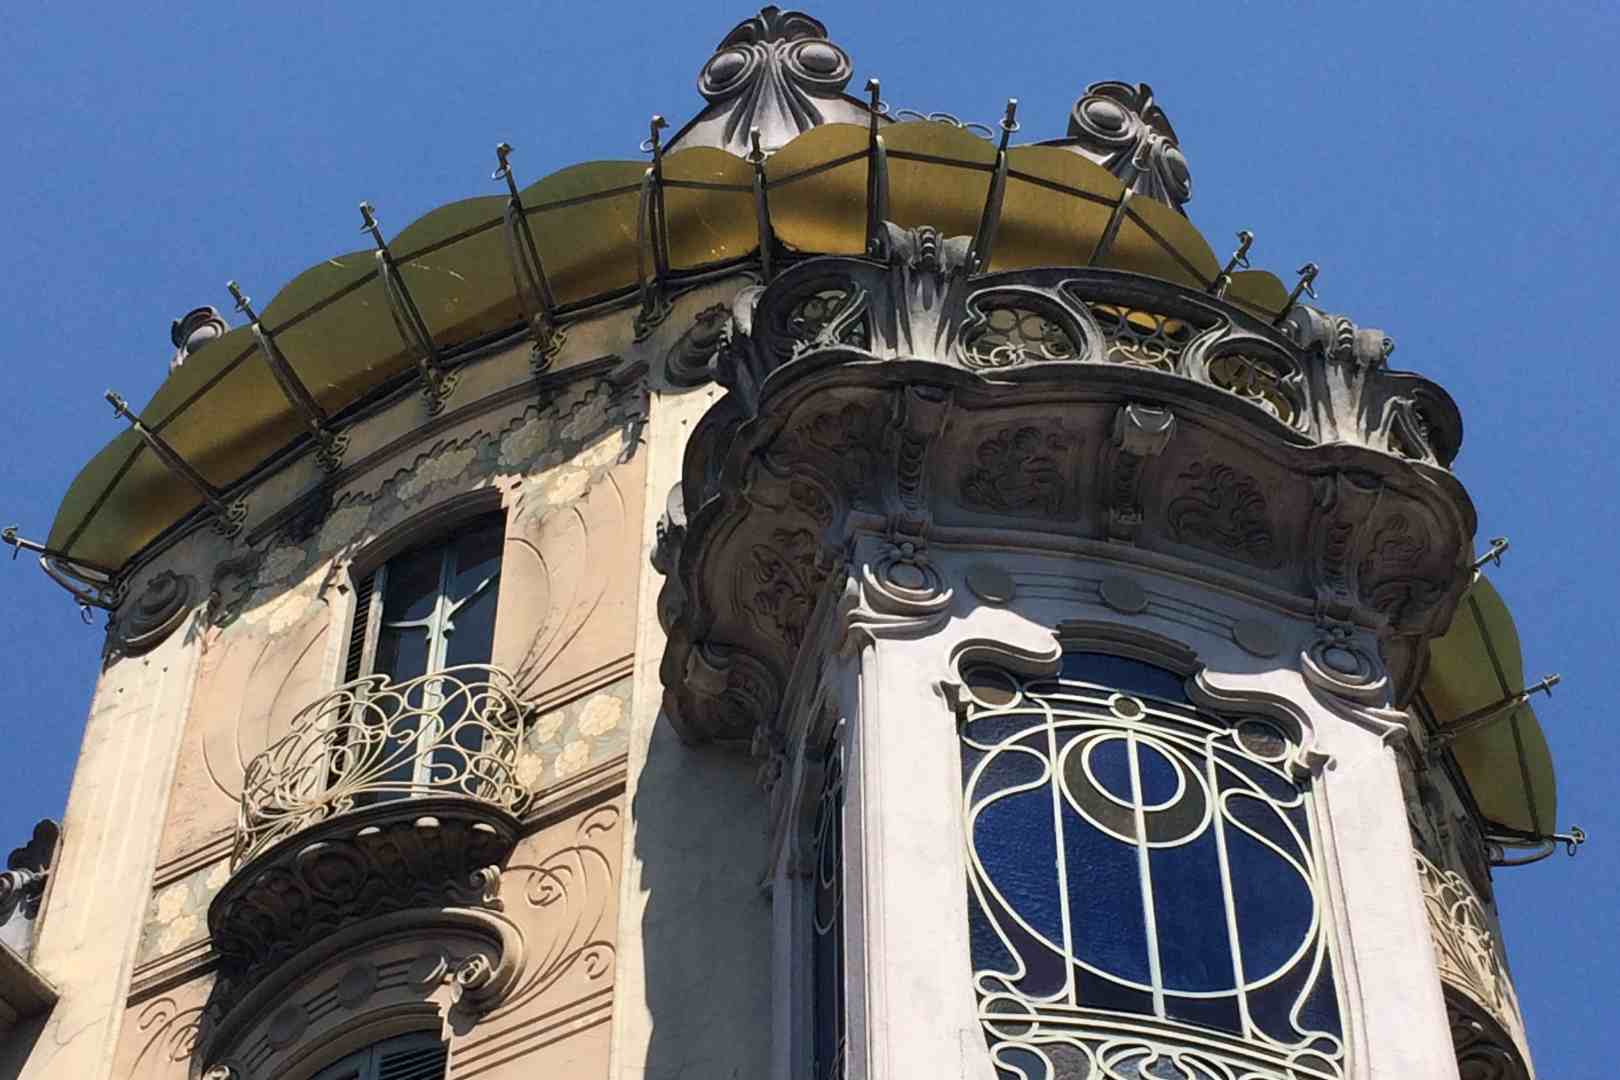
(454, 732)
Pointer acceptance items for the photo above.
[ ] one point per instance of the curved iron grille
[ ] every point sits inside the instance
(452, 732)
(1145, 902)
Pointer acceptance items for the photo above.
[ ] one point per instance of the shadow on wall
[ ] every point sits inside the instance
(700, 839)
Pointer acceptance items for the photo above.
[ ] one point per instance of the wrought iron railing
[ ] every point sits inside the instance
(454, 732)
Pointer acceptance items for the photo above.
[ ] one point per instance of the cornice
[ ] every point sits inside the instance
(901, 395)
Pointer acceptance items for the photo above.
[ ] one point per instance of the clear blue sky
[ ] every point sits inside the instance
(1451, 167)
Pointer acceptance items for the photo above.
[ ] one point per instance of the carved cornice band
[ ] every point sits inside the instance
(1080, 402)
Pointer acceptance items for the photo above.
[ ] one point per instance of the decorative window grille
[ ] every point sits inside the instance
(430, 609)
(418, 1056)
(830, 1034)
(1145, 900)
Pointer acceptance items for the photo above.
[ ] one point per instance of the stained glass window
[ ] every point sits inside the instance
(1145, 900)
(829, 920)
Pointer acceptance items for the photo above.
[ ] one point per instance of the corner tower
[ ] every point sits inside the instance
(848, 595)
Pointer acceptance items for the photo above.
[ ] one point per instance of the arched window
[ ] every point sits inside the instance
(418, 1056)
(419, 649)
(1145, 898)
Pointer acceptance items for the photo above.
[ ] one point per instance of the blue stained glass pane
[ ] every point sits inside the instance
(1110, 762)
(1219, 1013)
(1194, 951)
(1096, 992)
(1159, 775)
(988, 951)
(1321, 1011)
(1044, 970)
(1121, 674)
(1013, 839)
(1274, 904)
(1017, 1063)
(1105, 900)
(989, 730)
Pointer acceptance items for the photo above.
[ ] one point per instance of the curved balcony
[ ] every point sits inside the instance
(454, 732)
(382, 796)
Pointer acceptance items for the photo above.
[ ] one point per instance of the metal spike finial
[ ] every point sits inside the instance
(370, 224)
(228, 518)
(1305, 287)
(503, 154)
(1499, 547)
(243, 304)
(1009, 122)
(1239, 260)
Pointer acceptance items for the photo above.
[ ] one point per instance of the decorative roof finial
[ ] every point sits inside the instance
(777, 72)
(193, 330)
(1121, 128)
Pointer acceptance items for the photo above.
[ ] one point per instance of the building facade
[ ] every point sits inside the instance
(847, 595)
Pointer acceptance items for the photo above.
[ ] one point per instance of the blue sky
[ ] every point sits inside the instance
(1451, 167)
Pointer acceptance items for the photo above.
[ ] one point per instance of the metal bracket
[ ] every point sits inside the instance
(1490, 714)
(528, 271)
(650, 220)
(330, 445)
(1533, 848)
(413, 331)
(1239, 260)
(1306, 286)
(984, 239)
(228, 517)
(762, 211)
(1499, 547)
(91, 585)
(877, 173)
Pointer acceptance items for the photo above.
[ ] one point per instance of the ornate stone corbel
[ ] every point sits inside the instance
(692, 360)
(153, 615)
(901, 591)
(1140, 432)
(928, 273)
(1344, 505)
(923, 410)
(1349, 678)
(735, 689)
(1121, 128)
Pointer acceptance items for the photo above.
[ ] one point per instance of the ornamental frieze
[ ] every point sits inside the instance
(900, 396)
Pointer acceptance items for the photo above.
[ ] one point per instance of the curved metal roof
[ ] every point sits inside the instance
(224, 413)
(1474, 665)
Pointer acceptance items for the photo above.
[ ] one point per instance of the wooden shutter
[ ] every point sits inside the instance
(411, 1062)
(363, 630)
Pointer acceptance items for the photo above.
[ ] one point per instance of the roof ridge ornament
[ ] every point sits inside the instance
(774, 72)
(1121, 128)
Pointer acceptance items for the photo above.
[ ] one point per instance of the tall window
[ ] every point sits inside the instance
(438, 606)
(1144, 896)
(830, 1038)
(418, 1056)
(423, 714)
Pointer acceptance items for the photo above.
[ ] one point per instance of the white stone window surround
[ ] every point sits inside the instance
(901, 640)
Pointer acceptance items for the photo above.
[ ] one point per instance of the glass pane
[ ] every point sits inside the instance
(477, 555)
(412, 585)
(401, 654)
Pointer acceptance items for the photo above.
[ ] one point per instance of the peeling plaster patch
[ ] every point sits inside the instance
(564, 485)
(445, 465)
(526, 442)
(343, 526)
(281, 563)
